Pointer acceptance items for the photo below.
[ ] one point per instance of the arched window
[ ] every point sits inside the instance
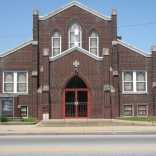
(94, 43)
(75, 35)
(56, 44)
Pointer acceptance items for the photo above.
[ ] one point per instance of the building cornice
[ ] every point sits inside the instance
(76, 49)
(24, 44)
(134, 49)
(78, 4)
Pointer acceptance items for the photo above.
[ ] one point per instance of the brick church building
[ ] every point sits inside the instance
(77, 67)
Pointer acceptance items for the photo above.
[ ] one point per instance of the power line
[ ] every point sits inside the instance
(120, 26)
(136, 25)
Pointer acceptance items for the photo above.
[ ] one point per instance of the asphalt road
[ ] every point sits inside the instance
(78, 145)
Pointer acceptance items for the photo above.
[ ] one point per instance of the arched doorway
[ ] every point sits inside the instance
(76, 98)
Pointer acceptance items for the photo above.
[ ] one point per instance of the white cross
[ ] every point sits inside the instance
(76, 63)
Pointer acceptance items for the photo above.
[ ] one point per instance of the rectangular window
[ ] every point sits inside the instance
(8, 82)
(15, 82)
(21, 82)
(24, 111)
(140, 81)
(142, 110)
(94, 43)
(128, 81)
(56, 44)
(128, 110)
(134, 82)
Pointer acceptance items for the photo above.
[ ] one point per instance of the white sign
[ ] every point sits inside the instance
(45, 116)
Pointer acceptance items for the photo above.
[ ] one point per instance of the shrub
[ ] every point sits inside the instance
(29, 119)
(3, 119)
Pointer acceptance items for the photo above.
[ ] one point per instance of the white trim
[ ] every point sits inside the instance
(147, 107)
(8, 82)
(134, 83)
(76, 49)
(15, 82)
(69, 33)
(97, 44)
(52, 39)
(17, 48)
(13, 100)
(134, 49)
(123, 110)
(71, 4)
(34, 43)
(27, 110)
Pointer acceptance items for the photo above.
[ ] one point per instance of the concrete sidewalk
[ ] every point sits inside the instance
(37, 130)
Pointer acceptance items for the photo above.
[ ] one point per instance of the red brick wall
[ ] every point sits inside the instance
(94, 73)
(62, 70)
(129, 60)
(17, 61)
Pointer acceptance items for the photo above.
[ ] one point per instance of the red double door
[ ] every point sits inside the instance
(76, 103)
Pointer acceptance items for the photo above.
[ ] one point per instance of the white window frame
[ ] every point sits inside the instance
(134, 83)
(147, 107)
(132, 110)
(97, 44)
(8, 82)
(52, 47)
(27, 110)
(69, 31)
(15, 82)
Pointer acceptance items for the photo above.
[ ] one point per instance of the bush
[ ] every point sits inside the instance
(3, 119)
(29, 119)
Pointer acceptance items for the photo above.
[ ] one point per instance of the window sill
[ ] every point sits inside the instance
(134, 93)
(15, 93)
(126, 116)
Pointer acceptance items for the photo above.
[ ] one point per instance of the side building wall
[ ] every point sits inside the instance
(19, 60)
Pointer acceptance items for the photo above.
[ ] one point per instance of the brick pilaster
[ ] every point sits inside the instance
(35, 63)
(154, 79)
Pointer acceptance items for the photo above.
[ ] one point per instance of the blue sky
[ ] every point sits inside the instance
(136, 19)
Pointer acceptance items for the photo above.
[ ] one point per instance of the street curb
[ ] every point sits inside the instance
(98, 133)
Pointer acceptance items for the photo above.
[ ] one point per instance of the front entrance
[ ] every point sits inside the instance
(76, 98)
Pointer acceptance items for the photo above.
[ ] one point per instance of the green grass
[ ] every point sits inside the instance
(24, 120)
(136, 118)
(3, 119)
(29, 119)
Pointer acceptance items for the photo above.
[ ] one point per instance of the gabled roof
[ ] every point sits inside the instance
(76, 49)
(17, 48)
(132, 48)
(78, 4)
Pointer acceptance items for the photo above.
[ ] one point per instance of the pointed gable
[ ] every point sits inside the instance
(75, 3)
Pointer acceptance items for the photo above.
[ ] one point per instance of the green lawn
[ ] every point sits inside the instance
(8, 120)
